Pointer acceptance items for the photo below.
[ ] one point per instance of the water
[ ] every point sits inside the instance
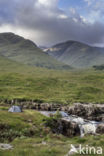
(48, 113)
(86, 126)
(67, 117)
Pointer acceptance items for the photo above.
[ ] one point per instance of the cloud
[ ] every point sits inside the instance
(48, 3)
(89, 2)
(46, 24)
(7, 11)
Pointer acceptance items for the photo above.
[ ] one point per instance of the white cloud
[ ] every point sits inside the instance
(84, 19)
(62, 16)
(72, 11)
(95, 11)
(47, 3)
(89, 2)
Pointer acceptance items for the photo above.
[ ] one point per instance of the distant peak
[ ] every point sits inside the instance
(7, 33)
(70, 42)
(14, 38)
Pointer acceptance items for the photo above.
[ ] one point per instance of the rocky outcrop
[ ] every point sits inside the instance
(62, 126)
(100, 129)
(70, 129)
(47, 106)
(88, 111)
(33, 104)
(5, 147)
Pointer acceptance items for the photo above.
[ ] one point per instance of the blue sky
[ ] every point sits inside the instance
(92, 10)
(71, 3)
(48, 22)
(79, 5)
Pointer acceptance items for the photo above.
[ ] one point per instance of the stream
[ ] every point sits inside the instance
(86, 126)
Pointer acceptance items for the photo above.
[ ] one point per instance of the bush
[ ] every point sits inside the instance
(53, 122)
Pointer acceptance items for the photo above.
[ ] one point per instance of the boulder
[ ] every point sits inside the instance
(6, 146)
(100, 129)
(69, 128)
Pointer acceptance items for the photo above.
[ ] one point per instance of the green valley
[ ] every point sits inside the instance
(22, 81)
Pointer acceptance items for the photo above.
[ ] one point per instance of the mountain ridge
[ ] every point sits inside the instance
(27, 52)
(77, 54)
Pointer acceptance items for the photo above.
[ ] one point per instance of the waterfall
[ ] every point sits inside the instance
(85, 126)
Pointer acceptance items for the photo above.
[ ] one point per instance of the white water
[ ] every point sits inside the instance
(86, 126)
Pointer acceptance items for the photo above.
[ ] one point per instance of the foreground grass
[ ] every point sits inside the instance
(53, 147)
(23, 124)
(32, 135)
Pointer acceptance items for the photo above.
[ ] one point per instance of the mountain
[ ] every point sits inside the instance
(76, 54)
(25, 51)
(10, 66)
(100, 67)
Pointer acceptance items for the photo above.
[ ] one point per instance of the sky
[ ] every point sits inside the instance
(47, 22)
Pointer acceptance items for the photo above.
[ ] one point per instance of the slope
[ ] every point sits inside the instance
(25, 51)
(76, 54)
(19, 81)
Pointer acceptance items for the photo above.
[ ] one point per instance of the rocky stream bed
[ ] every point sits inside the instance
(79, 119)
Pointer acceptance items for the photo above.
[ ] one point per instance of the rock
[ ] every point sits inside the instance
(63, 126)
(100, 129)
(88, 111)
(6, 146)
(69, 128)
(30, 121)
(44, 143)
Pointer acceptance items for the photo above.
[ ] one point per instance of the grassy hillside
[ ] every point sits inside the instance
(26, 131)
(22, 81)
(25, 51)
(32, 138)
(77, 54)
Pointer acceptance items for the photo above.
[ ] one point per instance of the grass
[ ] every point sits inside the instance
(26, 144)
(51, 86)
(58, 86)
(19, 124)
(26, 82)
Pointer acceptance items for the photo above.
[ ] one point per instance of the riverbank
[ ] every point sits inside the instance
(88, 111)
(30, 136)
